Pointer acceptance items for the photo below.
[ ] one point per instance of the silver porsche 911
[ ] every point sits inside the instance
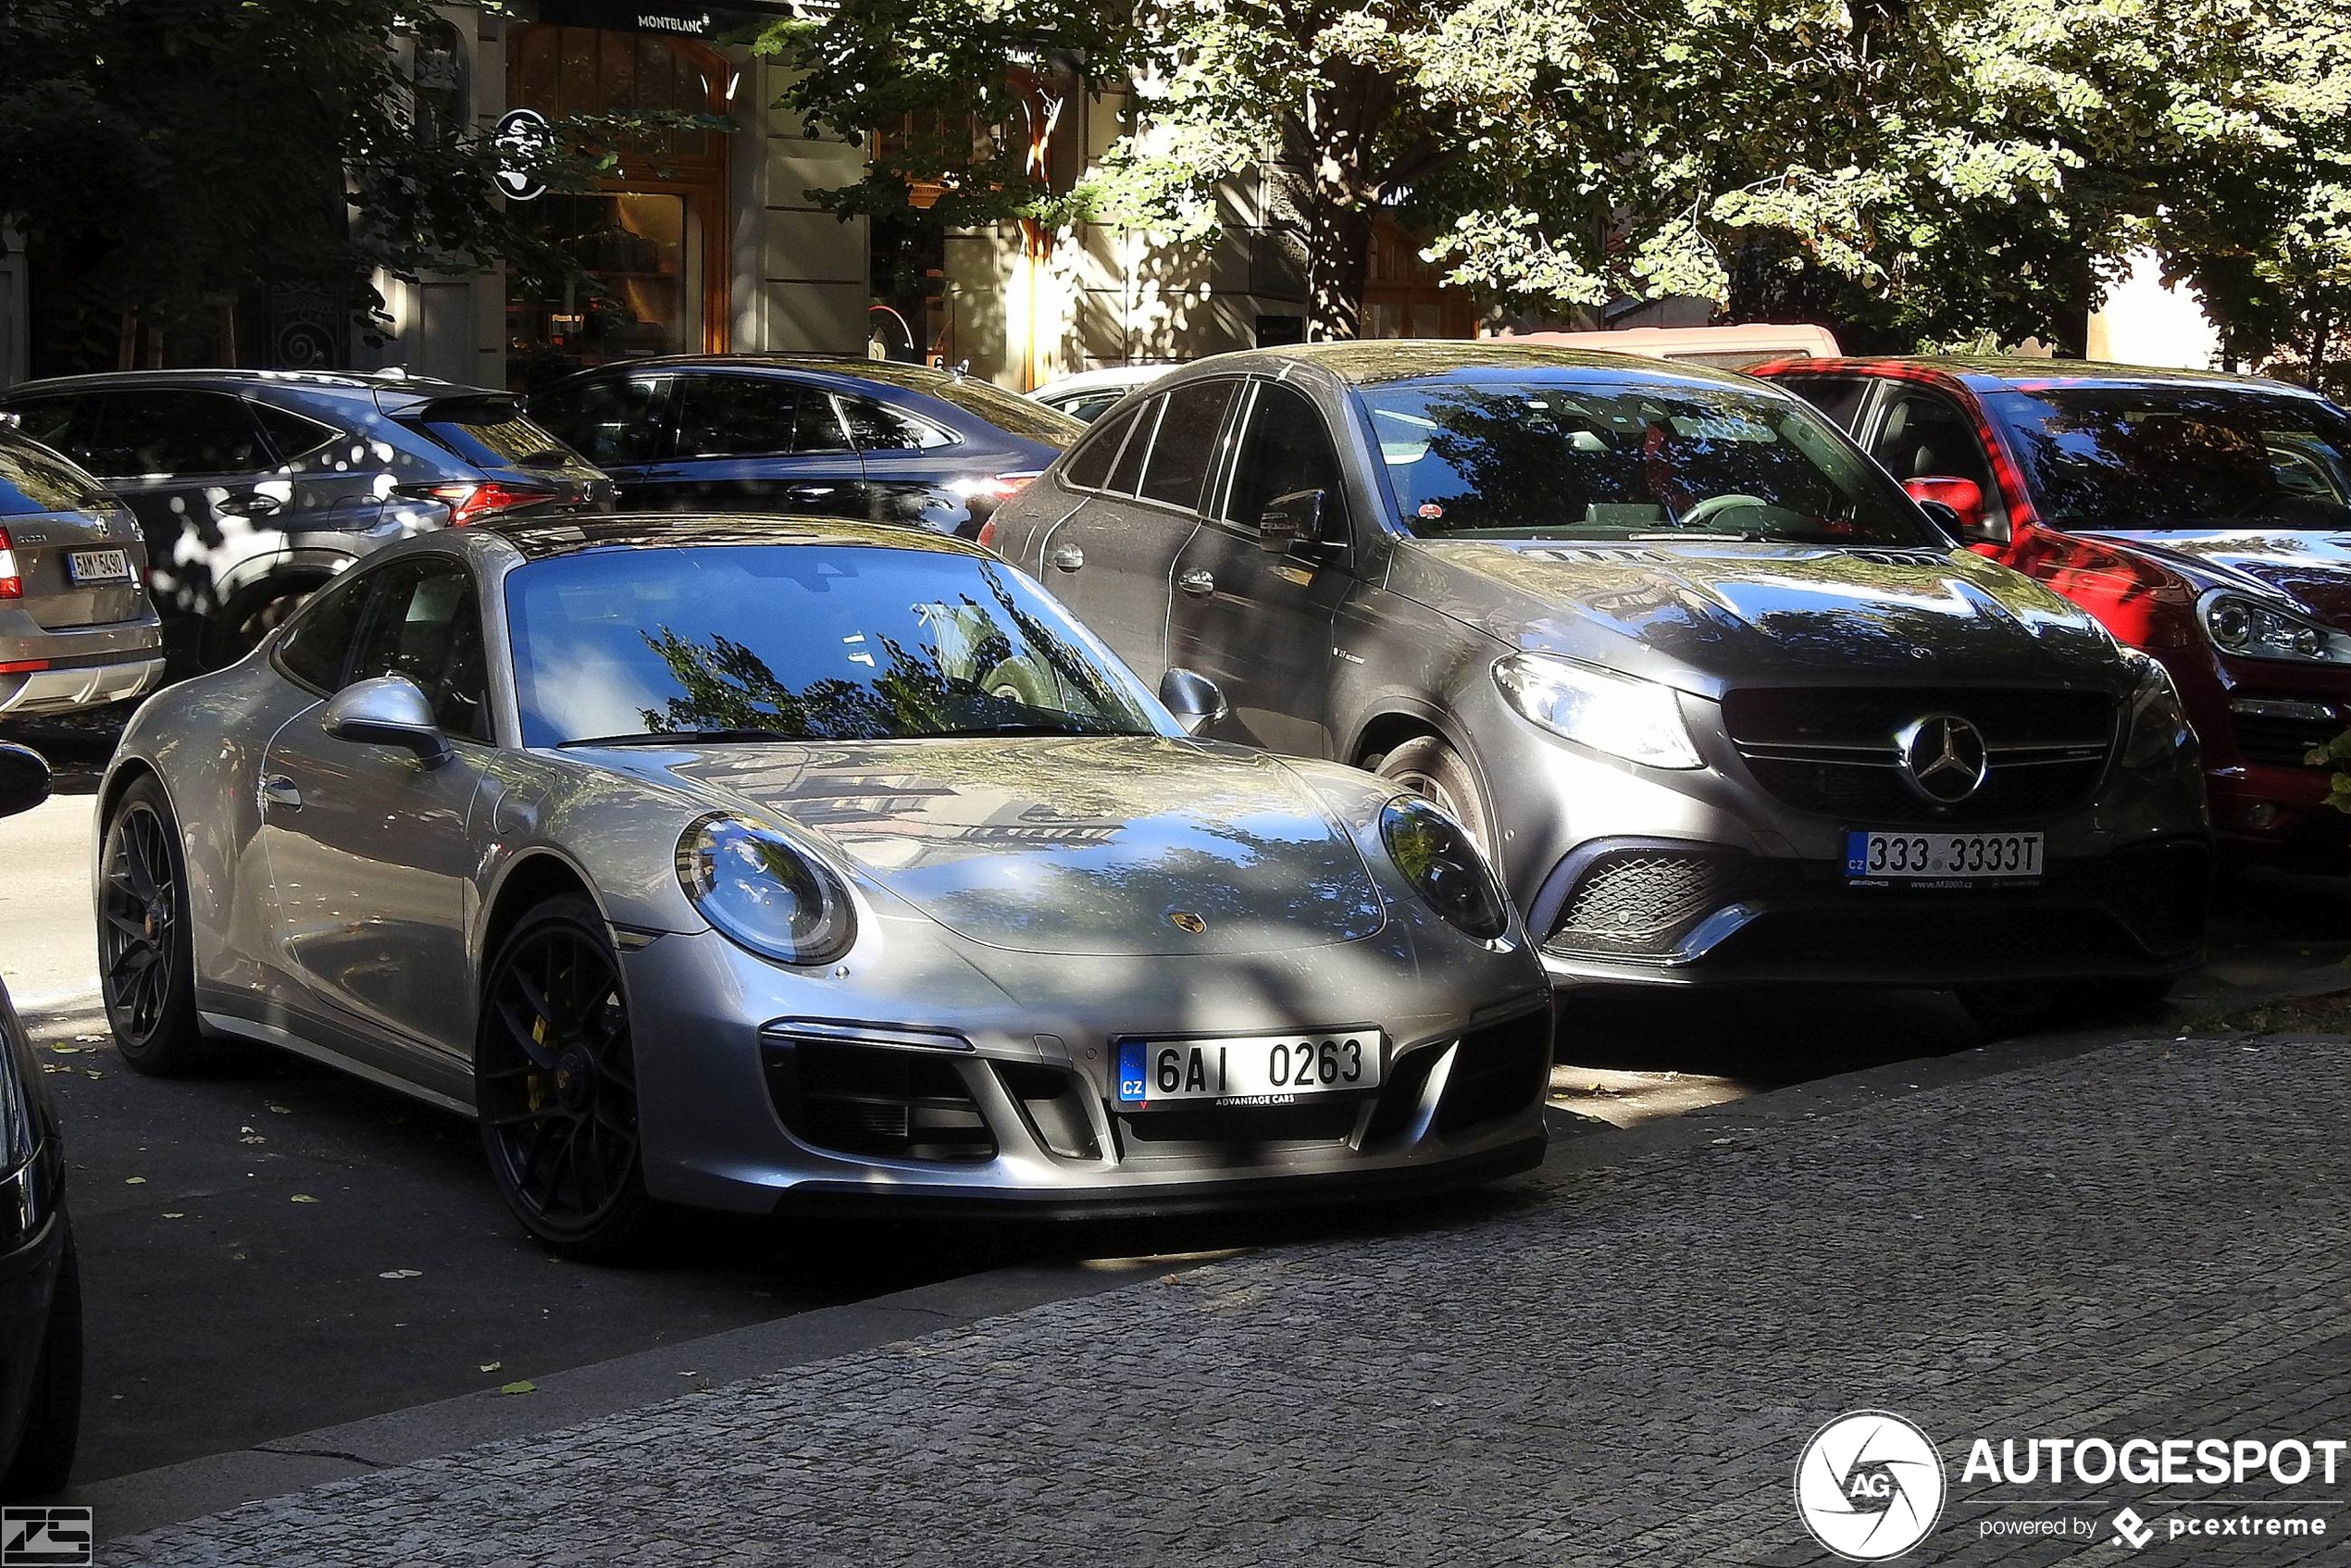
(776, 865)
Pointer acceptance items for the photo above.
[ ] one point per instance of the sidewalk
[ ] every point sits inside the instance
(1616, 1362)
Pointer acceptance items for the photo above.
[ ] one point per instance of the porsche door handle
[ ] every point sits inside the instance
(1068, 558)
(279, 791)
(1199, 582)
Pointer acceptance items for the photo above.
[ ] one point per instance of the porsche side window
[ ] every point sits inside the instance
(315, 646)
(424, 624)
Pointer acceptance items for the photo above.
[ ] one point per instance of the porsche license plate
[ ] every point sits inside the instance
(1249, 1069)
(1942, 858)
(98, 565)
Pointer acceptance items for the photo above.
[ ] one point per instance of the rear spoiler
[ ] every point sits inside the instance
(466, 407)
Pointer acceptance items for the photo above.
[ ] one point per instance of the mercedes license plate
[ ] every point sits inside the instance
(1248, 1069)
(98, 565)
(1942, 858)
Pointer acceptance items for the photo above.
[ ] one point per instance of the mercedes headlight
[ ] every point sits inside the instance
(2252, 630)
(1437, 856)
(761, 891)
(2158, 731)
(1637, 720)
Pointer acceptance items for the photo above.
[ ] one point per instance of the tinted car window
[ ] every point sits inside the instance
(1839, 397)
(423, 624)
(1020, 417)
(834, 643)
(607, 419)
(1090, 465)
(1184, 447)
(294, 436)
(51, 420)
(879, 427)
(1545, 458)
(1285, 449)
(2168, 457)
(751, 416)
(34, 478)
(1138, 445)
(174, 431)
(315, 646)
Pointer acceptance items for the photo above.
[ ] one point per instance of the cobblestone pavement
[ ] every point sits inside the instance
(1618, 1366)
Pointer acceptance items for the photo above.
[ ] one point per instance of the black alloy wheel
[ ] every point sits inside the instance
(146, 961)
(555, 1083)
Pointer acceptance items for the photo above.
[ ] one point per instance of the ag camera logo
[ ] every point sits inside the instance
(1869, 1485)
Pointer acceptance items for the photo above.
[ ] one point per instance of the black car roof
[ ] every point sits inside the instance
(888, 372)
(542, 539)
(378, 385)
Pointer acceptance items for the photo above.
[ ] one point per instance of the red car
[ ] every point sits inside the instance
(2203, 517)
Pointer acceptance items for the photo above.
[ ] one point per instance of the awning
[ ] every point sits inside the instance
(677, 18)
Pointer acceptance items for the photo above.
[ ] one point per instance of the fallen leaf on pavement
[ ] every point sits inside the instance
(524, 1385)
(401, 1273)
(67, 1049)
(93, 1072)
(491, 1365)
(180, 1215)
(134, 1181)
(283, 1110)
(255, 1138)
(301, 1197)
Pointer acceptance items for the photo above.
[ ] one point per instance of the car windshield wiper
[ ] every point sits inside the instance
(680, 737)
(1711, 535)
(1027, 727)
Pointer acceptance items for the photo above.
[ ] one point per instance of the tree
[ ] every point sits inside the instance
(164, 156)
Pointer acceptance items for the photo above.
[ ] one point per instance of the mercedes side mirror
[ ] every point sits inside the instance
(387, 711)
(24, 779)
(1289, 521)
(1956, 505)
(1193, 698)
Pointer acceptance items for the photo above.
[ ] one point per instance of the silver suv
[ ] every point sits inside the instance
(1724, 702)
(76, 628)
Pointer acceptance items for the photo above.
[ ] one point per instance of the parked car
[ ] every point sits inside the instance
(39, 1285)
(255, 487)
(856, 438)
(2203, 517)
(771, 867)
(76, 625)
(1089, 395)
(1722, 701)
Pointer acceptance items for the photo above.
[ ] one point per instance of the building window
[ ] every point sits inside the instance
(652, 239)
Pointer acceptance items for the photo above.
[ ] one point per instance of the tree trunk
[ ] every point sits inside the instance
(1339, 257)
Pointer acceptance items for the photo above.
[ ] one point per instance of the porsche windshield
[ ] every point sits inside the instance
(801, 642)
(1575, 458)
(2179, 457)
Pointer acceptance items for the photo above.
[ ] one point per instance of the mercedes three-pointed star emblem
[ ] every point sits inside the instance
(1944, 759)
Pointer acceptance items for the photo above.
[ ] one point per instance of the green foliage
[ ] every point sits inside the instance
(166, 155)
(1937, 172)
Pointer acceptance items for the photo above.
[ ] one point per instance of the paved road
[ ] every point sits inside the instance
(1617, 1361)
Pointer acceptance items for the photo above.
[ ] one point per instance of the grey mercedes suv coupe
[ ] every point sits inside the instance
(1724, 702)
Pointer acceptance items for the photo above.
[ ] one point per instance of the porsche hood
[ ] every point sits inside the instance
(1098, 845)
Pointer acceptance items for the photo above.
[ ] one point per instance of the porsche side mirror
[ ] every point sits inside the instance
(24, 779)
(1193, 698)
(1959, 504)
(1289, 521)
(387, 711)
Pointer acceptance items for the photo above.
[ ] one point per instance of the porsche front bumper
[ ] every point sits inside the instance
(757, 1095)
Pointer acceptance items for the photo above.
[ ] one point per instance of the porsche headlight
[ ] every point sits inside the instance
(762, 892)
(1637, 720)
(2158, 731)
(1437, 856)
(2252, 630)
